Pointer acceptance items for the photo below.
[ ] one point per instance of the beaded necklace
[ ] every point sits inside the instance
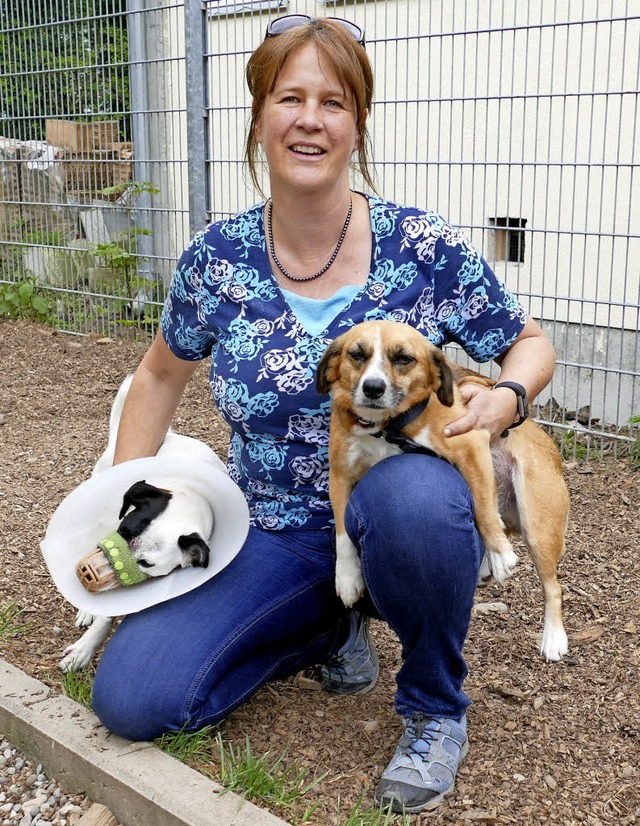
(272, 247)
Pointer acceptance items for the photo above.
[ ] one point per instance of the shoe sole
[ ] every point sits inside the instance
(400, 808)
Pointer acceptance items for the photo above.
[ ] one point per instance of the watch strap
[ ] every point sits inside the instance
(523, 406)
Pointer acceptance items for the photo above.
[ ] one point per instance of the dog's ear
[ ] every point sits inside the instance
(327, 368)
(141, 494)
(445, 374)
(196, 549)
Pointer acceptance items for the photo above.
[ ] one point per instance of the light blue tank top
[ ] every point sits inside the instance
(315, 314)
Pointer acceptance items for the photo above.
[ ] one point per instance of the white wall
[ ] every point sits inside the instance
(489, 109)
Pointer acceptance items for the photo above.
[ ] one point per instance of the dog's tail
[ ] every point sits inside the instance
(106, 460)
(118, 404)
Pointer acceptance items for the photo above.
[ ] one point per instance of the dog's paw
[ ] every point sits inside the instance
(349, 582)
(83, 618)
(75, 657)
(502, 564)
(554, 644)
(350, 588)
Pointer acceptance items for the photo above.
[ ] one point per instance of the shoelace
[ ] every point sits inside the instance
(416, 731)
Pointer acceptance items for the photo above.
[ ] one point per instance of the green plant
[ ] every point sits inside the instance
(120, 259)
(25, 299)
(8, 625)
(374, 816)
(45, 238)
(133, 188)
(82, 50)
(78, 685)
(635, 445)
(188, 745)
(263, 778)
(571, 448)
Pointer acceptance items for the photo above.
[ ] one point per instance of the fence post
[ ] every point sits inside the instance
(139, 102)
(195, 21)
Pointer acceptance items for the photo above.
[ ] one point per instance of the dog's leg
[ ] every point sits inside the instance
(471, 454)
(349, 582)
(80, 654)
(554, 644)
(477, 469)
(543, 518)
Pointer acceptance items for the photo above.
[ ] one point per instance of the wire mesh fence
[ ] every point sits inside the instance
(122, 127)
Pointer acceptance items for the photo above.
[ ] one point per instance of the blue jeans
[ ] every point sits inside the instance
(273, 610)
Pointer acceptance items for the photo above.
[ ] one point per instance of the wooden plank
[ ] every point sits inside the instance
(98, 815)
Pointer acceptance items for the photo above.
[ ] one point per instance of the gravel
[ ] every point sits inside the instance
(28, 796)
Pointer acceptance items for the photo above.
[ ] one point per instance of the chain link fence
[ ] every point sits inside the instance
(121, 133)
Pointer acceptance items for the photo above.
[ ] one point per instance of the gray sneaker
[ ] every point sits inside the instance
(423, 769)
(354, 669)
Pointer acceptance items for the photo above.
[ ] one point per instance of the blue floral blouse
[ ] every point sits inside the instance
(225, 302)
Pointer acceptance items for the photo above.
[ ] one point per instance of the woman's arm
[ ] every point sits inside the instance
(153, 397)
(529, 361)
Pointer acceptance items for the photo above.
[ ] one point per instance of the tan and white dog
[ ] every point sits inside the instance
(387, 379)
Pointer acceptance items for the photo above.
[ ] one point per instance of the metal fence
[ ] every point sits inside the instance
(123, 123)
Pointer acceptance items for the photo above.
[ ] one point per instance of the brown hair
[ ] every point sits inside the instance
(350, 62)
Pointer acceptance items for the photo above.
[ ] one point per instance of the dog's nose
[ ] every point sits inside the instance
(373, 388)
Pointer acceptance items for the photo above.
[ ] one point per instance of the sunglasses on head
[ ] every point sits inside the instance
(292, 21)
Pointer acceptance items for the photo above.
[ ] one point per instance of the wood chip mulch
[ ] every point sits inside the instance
(551, 743)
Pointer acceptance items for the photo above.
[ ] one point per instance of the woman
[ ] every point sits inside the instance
(263, 294)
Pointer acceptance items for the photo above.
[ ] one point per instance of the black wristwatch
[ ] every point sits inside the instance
(523, 404)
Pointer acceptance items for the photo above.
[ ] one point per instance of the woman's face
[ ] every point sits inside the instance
(307, 125)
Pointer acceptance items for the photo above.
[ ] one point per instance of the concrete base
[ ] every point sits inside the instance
(140, 784)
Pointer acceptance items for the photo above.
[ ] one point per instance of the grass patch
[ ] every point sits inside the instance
(8, 625)
(265, 779)
(374, 816)
(188, 746)
(78, 685)
(635, 445)
(572, 447)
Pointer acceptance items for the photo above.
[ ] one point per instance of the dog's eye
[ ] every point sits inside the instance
(358, 355)
(403, 360)
(142, 563)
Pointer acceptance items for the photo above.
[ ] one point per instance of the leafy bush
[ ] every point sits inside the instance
(25, 299)
(62, 59)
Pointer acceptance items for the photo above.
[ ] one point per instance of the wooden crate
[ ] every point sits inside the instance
(123, 165)
(82, 137)
(90, 172)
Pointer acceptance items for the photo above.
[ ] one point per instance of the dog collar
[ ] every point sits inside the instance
(399, 422)
(123, 562)
(396, 425)
(392, 432)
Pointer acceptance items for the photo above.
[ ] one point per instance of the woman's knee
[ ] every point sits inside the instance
(417, 511)
(129, 702)
(411, 519)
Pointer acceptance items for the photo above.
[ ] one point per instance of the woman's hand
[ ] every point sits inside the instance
(529, 361)
(492, 410)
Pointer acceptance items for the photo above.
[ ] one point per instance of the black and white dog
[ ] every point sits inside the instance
(166, 528)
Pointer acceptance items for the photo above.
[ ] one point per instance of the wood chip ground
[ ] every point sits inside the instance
(550, 743)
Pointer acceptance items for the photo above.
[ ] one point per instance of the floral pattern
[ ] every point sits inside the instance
(224, 302)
